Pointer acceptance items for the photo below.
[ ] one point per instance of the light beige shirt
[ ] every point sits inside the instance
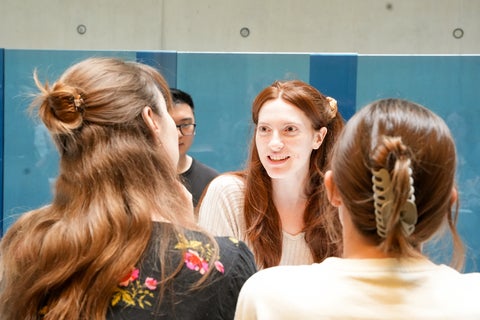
(360, 289)
(221, 213)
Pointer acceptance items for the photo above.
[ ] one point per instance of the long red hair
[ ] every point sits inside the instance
(264, 230)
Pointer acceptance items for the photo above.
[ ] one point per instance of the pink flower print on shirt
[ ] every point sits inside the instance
(130, 277)
(151, 283)
(197, 255)
(132, 292)
(194, 262)
(219, 266)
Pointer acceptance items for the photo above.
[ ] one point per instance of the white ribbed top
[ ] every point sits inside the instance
(221, 213)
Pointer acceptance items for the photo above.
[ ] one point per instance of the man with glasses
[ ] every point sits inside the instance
(195, 175)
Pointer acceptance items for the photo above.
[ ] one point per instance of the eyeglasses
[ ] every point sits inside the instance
(187, 129)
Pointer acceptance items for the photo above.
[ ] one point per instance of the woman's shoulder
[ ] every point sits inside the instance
(466, 280)
(228, 180)
(232, 253)
(220, 211)
(235, 250)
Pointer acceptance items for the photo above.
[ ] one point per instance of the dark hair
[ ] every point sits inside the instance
(413, 145)
(262, 219)
(180, 96)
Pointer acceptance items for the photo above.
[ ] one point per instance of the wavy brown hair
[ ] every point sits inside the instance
(264, 230)
(399, 136)
(113, 178)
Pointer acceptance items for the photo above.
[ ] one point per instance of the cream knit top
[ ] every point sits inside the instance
(221, 213)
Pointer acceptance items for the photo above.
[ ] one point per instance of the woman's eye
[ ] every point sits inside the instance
(262, 129)
(290, 129)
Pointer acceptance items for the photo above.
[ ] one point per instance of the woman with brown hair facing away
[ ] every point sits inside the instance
(119, 240)
(393, 181)
(278, 204)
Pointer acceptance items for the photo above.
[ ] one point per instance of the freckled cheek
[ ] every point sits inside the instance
(258, 141)
(306, 150)
(262, 145)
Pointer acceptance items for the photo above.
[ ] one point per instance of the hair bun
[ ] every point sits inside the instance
(62, 108)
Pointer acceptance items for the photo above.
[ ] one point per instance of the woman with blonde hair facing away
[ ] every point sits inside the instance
(393, 181)
(119, 240)
(277, 205)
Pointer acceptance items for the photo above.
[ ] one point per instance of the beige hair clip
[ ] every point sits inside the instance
(79, 104)
(383, 200)
(333, 106)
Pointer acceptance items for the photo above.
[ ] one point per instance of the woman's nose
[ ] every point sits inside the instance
(276, 142)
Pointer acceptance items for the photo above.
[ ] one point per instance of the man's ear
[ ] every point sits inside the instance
(331, 188)
(148, 117)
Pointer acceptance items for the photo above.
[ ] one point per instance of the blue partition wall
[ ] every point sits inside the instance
(165, 62)
(223, 86)
(336, 76)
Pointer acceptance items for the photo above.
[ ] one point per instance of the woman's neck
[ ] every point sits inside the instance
(290, 200)
(355, 245)
(288, 190)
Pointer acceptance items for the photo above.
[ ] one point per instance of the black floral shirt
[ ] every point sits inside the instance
(137, 295)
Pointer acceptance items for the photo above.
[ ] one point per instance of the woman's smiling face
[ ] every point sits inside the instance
(285, 139)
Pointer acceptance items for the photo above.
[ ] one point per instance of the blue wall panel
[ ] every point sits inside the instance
(165, 62)
(30, 161)
(336, 76)
(448, 85)
(223, 86)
